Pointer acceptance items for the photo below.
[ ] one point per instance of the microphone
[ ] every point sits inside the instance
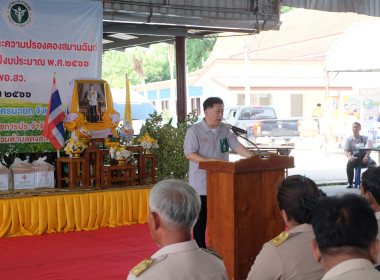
(236, 129)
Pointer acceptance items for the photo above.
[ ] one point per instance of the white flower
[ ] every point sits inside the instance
(154, 146)
(115, 118)
(119, 153)
(71, 117)
(147, 145)
(73, 145)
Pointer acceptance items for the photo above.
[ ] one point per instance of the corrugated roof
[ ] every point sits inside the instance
(304, 35)
(237, 14)
(366, 7)
(152, 21)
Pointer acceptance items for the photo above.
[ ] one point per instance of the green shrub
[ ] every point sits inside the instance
(170, 158)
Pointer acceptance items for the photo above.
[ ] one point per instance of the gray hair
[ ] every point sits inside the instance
(176, 202)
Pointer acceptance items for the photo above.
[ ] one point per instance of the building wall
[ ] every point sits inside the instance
(279, 80)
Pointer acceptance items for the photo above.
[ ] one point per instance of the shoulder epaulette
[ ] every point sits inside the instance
(278, 240)
(144, 265)
(212, 251)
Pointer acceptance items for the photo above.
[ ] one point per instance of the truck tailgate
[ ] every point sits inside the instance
(279, 128)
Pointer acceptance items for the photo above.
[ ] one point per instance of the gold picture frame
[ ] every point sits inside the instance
(91, 101)
(96, 110)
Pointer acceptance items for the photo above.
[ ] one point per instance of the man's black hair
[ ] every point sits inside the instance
(360, 126)
(371, 182)
(209, 102)
(340, 221)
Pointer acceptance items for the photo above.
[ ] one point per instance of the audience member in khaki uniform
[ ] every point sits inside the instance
(345, 241)
(370, 190)
(174, 208)
(288, 256)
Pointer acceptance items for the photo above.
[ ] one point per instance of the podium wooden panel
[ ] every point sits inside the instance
(242, 212)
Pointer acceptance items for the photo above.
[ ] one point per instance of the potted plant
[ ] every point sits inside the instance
(170, 158)
(121, 154)
(74, 147)
(148, 143)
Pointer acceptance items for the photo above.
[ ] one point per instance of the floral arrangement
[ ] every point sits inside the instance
(74, 120)
(74, 145)
(148, 142)
(119, 153)
(111, 118)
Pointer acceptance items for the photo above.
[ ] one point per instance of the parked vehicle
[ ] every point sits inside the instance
(262, 125)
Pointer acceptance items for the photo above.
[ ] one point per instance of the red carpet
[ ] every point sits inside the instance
(106, 253)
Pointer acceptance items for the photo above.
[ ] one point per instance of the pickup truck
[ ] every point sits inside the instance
(262, 125)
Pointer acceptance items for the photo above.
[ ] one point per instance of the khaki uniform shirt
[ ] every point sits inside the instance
(183, 261)
(290, 259)
(355, 269)
(377, 214)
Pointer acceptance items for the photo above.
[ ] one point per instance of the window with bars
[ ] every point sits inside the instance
(165, 105)
(196, 105)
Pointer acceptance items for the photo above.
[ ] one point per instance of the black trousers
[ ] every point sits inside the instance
(352, 164)
(199, 231)
(93, 117)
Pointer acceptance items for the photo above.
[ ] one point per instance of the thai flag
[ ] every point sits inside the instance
(53, 127)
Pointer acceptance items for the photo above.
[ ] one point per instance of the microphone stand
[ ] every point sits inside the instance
(246, 139)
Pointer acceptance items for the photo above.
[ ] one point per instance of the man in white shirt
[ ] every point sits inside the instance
(209, 139)
(345, 243)
(353, 153)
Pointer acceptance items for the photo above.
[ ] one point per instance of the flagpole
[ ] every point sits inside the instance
(53, 125)
(128, 109)
(58, 151)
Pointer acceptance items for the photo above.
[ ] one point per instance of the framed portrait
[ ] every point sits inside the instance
(92, 99)
(92, 102)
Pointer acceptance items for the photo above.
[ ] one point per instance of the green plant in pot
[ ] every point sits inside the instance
(170, 158)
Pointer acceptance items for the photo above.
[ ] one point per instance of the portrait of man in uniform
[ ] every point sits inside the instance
(92, 102)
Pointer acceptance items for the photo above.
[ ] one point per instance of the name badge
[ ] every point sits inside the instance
(224, 145)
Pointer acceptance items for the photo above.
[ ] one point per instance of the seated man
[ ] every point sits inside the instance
(174, 208)
(355, 157)
(345, 241)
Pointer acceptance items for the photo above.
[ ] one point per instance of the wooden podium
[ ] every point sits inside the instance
(242, 212)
